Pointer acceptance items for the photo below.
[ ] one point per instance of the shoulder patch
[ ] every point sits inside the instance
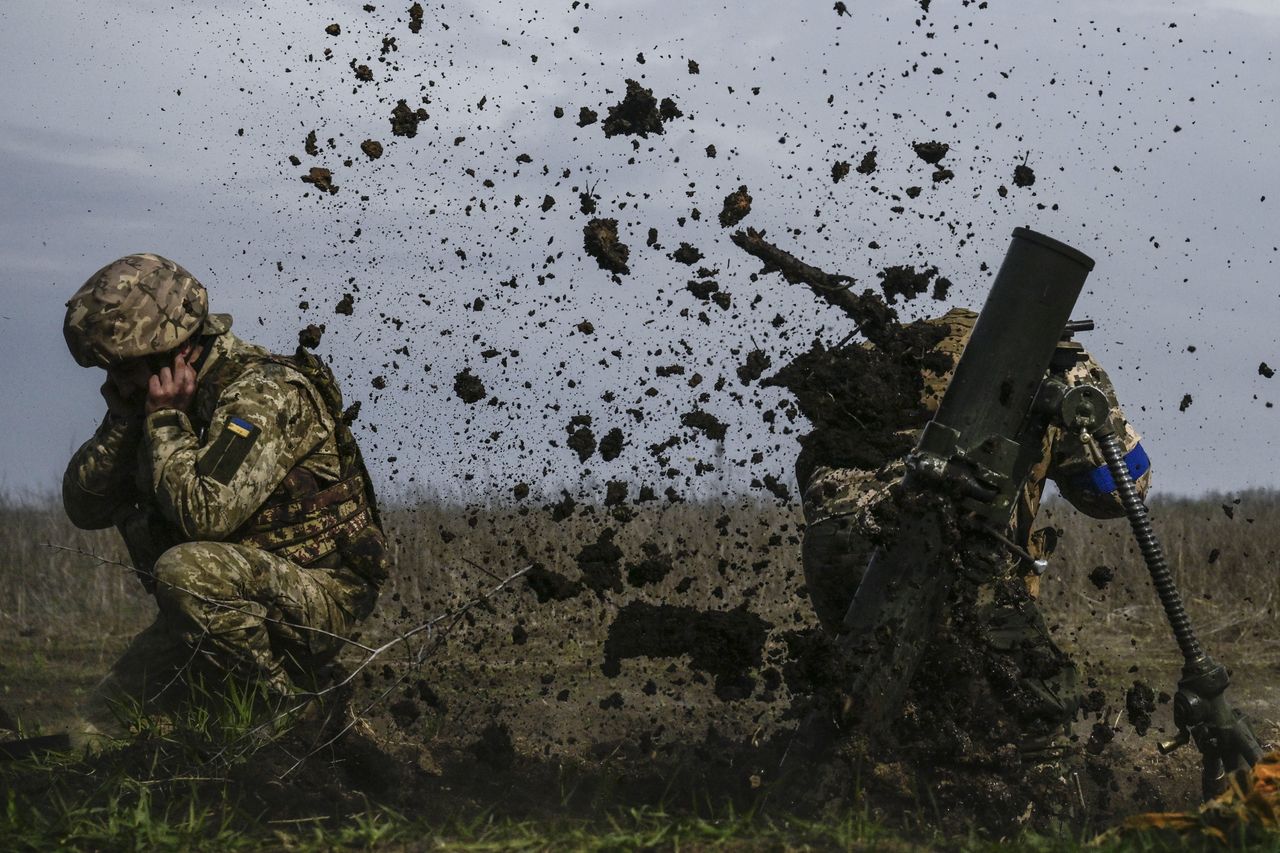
(223, 458)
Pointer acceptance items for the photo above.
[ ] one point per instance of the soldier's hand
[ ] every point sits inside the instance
(118, 404)
(174, 388)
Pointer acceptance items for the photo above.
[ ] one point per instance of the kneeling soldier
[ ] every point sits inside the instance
(236, 483)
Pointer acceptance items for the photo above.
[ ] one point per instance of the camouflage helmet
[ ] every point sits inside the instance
(136, 306)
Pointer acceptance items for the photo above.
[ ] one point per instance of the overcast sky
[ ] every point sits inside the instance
(139, 126)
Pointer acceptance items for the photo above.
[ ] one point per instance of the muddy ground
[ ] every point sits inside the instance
(541, 709)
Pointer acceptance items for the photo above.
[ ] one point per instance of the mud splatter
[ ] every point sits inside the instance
(600, 241)
(737, 205)
(468, 386)
(726, 644)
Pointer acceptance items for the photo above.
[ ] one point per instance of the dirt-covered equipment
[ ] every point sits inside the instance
(964, 477)
(967, 470)
(1201, 712)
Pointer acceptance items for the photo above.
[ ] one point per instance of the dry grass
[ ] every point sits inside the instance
(443, 554)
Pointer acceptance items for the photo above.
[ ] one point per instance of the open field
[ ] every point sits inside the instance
(533, 742)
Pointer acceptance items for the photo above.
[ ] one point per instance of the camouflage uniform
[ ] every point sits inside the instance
(249, 519)
(840, 507)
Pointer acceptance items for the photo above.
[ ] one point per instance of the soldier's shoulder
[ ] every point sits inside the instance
(956, 318)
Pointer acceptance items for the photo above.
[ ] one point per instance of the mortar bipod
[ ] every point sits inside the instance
(1201, 712)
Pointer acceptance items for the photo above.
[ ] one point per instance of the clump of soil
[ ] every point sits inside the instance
(468, 386)
(1023, 176)
(726, 644)
(686, 254)
(372, 148)
(706, 423)
(839, 170)
(601, 564)
(322, 179)
(415, 18)
(582, 441)
(404, 121)
(548, 585)
(1102, 576)
(868, 164)
(1265, 372)
(905, 281)
(1139, 704)
(639, 113)
(587, 116)
(611, 445)
(756, 364)
(931, 152)
(346, 305)
(600, 241)
(737, 205)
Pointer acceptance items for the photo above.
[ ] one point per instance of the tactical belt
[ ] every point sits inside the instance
(310, 528)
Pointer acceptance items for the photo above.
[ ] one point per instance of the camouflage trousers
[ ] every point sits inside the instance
(230, 612)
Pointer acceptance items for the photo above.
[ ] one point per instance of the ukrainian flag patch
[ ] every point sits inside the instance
(221, 459)
(240, 427)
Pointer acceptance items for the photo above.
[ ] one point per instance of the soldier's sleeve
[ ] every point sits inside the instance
(1078, 467)
(266, 421)
(98, 481)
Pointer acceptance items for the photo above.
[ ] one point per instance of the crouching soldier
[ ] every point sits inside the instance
(842, 509)
(236, 484)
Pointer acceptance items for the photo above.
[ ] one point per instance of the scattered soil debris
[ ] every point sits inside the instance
(707, 423)
(758, 361)
(468, 386)
(1102, 576)
(600, 240)
(310, 146)
(653, 569)
(639, 113)
(1139, 703)
(346, 305)
(333, 30)
(587, 116)
(364, 73)
(931, 152)
(841, 9)
(939, 175)
(415, 18)
(322, 179)
(404, 121)
(601, 564)
(839, 170)
(1023, 175)
(611, 445)
(1265, 372)
(372, 148)
(694, 68)
(551, 586)
(737, 205)
(904, 281)
(1185, 403)
(582, 441)
(727, 644)
(868, 164)
(686, 254)
(309, 337)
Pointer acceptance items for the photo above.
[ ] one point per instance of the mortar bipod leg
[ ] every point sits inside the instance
(1201, 712)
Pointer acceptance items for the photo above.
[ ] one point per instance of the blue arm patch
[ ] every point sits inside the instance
(1100, 481)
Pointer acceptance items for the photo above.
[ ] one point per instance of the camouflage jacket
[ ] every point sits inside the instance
(1075, 467)
(258, 435)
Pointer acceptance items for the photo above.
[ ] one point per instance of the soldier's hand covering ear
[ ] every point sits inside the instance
(118, 404)
(174, 388)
